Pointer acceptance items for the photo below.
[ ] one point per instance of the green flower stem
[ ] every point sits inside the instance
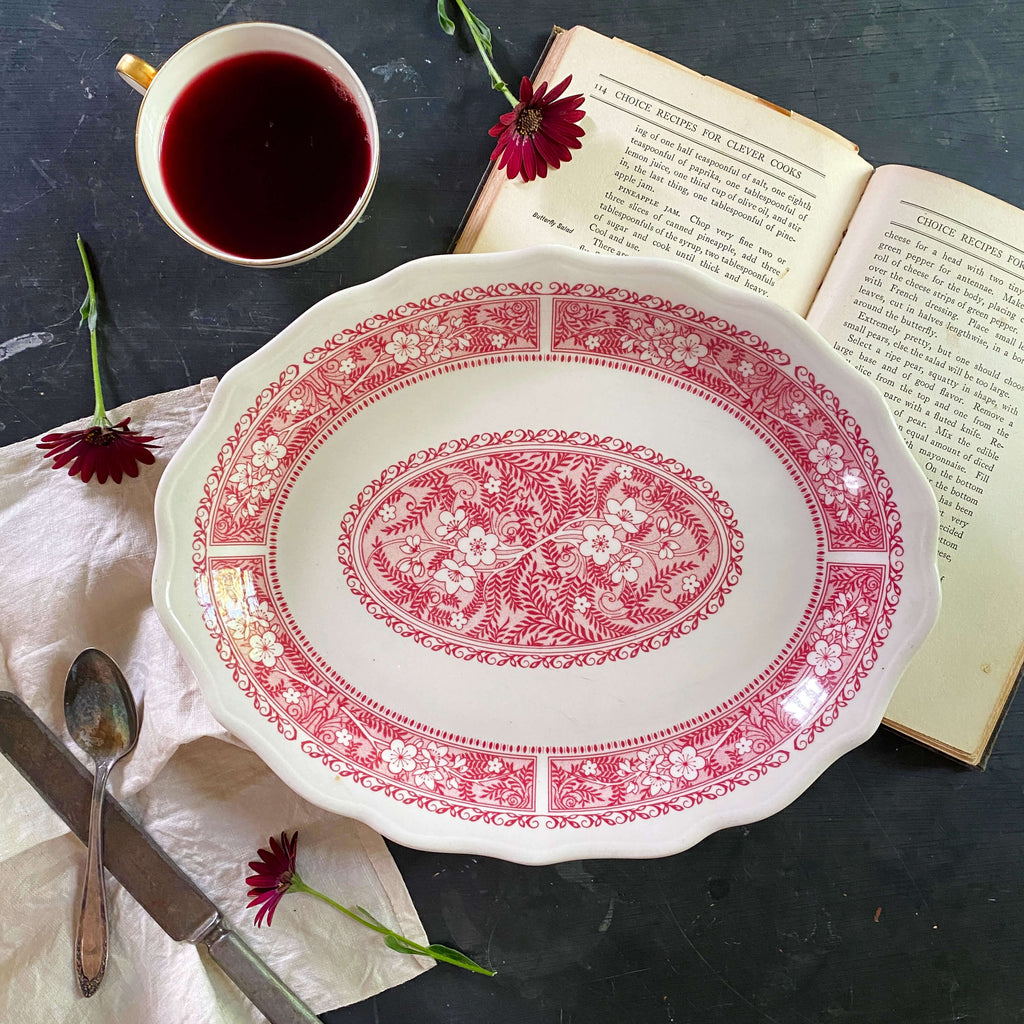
(89, 315)
(434, 952)
(496, 79)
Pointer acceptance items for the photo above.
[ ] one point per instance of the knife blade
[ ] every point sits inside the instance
(163, 890)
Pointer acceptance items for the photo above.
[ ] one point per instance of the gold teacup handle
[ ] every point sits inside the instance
(136, 72)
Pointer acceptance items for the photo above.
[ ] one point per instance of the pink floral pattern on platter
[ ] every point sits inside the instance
(692, 764)
(481, 781)
(540, 548)
(352, 366)
(712, 354)
(237, 601)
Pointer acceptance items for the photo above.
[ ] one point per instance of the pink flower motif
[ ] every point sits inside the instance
(589, 768)
(850, 635)
(295, 406)
(853, 481)
(651, 767)
(625, 472)
(432, 339)
(827, 623)
(656, 782)
(668, 548)
(799, 410)
(388, 512)
(827, 457)
(686, 763)
(665, 525)
(432, 329)
(625, 569)
(581, 605)
(495, 765)
(624, 514)
(655, 346)
(268, 452)
(399, 757)
(493, 485)
(427, 775)
(831, 492)
(689, 350)
(498, 340)
(478, 546)
(403, 347)
(599, 543)
(689, 584)
(411, 547)
(593, 342)
(744, 746)
(459, 621)
(264, 648)
(825, 657)
(456, 576)
(746, 368)
(343, 737)
(451, 522)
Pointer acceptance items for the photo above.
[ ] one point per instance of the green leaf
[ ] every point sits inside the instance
(445, 22)
(400, 945)
(479, 30)
(369, 917)
(89, 312)
(453, 956)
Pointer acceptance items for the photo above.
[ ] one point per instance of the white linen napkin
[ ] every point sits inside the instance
(77, 561)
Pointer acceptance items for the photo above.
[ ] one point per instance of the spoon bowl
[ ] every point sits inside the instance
(103, 719)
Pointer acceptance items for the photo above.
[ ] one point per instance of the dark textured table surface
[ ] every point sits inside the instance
(891, 891)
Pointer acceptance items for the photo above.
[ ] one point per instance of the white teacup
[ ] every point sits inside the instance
(161, 89)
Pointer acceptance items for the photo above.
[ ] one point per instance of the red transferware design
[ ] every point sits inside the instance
(549, 557)
(540, 548)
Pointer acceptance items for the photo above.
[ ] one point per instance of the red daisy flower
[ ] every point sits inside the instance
(103, 449)
(540, 132)
(275, 875)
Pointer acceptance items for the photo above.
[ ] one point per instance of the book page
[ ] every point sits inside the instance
(926, 297)
(677, 165)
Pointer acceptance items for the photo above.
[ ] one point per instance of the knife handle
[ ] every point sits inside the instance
(264, 989)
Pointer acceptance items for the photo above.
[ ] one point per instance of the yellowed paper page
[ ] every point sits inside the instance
(926, 296)
(675, 164)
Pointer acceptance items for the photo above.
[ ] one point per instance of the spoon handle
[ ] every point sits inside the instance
(91, 931)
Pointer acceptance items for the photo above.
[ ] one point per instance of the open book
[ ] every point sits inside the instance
(916, 279)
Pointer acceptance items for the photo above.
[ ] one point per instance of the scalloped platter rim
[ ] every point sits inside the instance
(546, 555)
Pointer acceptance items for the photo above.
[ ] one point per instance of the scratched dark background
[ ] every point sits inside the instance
(891, 891)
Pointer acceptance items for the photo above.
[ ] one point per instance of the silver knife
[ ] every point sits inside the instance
(164, 891)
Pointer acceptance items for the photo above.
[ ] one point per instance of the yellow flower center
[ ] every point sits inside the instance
(529, 121)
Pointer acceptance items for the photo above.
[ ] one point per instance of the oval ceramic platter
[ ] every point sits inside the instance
(544, 555)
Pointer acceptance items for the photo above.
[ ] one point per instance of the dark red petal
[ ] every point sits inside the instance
(513, 156)
(539, 100)
(499, 148)
(566, 134)
(567, 115)
(559, 89)
(529, 168)
(549, 150)
(525, 91)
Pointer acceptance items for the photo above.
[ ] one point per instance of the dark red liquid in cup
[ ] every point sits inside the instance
(264, 155)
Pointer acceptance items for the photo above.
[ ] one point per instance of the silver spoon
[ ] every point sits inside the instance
(103, 720)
